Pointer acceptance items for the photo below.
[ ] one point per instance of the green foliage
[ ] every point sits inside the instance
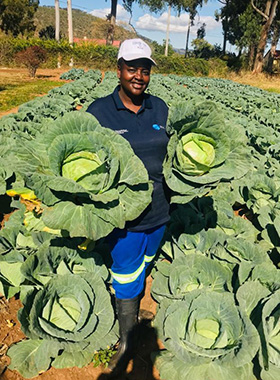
(47, 33)
(177, 64)
(218, 294)
(72, 74)
(66, 320)
(103, 357)
(160, 49)
(202, 151)
(90, 204)
(104, 57)
(270, 334)
(206, 336)
(202, 48)
(17, 16)
(249, 24)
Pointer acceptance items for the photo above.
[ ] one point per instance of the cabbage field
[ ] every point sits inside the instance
(70, 182)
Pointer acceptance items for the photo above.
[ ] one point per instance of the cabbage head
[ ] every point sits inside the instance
(66, 321)
(203, 150)
(206, 336)
(270, 335)
(185, 274)
(87, 177)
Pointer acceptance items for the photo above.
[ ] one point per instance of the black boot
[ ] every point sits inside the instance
(127, 313)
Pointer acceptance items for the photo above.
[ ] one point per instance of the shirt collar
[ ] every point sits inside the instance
(120, 106)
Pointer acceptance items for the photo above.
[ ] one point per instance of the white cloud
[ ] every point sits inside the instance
(177, 24)
(122, 14)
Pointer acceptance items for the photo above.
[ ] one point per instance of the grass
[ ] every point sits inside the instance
(263, 81)
(15, 93)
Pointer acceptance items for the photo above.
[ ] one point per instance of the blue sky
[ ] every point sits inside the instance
(153, 25)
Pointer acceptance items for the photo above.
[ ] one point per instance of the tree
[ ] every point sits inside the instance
(201, 32)
(274, 40)
(32, 57)
(154, 6)
(230, 15)
(111, 17)
(202, 48)
(189, 6)
(268, 15)
(47, 33)
(249, 30)
(17, 16)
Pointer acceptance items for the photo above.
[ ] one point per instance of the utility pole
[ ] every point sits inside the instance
(167, 31)
(70, 26)
(57, 29)
(57, 20)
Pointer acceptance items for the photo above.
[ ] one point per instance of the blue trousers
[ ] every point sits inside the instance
(132, 252)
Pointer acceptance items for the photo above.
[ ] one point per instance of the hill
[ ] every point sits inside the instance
(84, 24)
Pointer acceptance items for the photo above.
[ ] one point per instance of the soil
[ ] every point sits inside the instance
(139, 368)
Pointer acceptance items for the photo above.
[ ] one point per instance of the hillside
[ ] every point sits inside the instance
(84, 24)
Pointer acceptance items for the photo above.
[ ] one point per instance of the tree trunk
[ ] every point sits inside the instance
(225, 35)
(167, 31)
(188, 37)
(112, 20)
(268, 19)
(252, 54)
(57, 20)
(274, 43)
(225, 41)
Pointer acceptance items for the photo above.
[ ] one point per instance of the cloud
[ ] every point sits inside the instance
(122, 14)
(177, 24)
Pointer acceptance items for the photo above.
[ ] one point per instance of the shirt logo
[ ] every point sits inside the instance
(121, 131)
(158, 127)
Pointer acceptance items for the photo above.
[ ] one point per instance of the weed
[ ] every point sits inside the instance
(103, 356)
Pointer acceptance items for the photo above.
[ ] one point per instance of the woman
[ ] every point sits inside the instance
(141, 119)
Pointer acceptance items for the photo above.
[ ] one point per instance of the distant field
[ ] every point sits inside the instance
(16, 87)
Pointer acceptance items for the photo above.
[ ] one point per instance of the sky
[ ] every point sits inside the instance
(153, 25)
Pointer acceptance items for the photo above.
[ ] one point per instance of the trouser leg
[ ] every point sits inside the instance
(131, 254)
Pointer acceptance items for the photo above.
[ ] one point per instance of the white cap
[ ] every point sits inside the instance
(135, 49)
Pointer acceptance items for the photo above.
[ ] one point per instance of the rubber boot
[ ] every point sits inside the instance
(127, 313)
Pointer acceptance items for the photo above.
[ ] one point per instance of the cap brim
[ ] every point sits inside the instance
(132, 57)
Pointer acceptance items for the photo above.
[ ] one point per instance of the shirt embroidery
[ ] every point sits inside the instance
(158, 127)
(121, 131)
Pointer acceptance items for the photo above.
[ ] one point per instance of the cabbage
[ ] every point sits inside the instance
(203, 150)
(88, 177)
(206, 336)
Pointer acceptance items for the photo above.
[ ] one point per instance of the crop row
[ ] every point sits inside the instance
(218, 289)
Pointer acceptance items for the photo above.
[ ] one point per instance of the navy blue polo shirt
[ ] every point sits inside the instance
(145, 131)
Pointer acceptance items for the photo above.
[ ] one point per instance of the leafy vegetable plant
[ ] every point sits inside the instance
(203, 150)
(88, 176)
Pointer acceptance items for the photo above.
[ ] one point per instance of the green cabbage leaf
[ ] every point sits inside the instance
(88, 177)
(203, 150)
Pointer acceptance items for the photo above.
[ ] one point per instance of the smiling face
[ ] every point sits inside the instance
(134, 76)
